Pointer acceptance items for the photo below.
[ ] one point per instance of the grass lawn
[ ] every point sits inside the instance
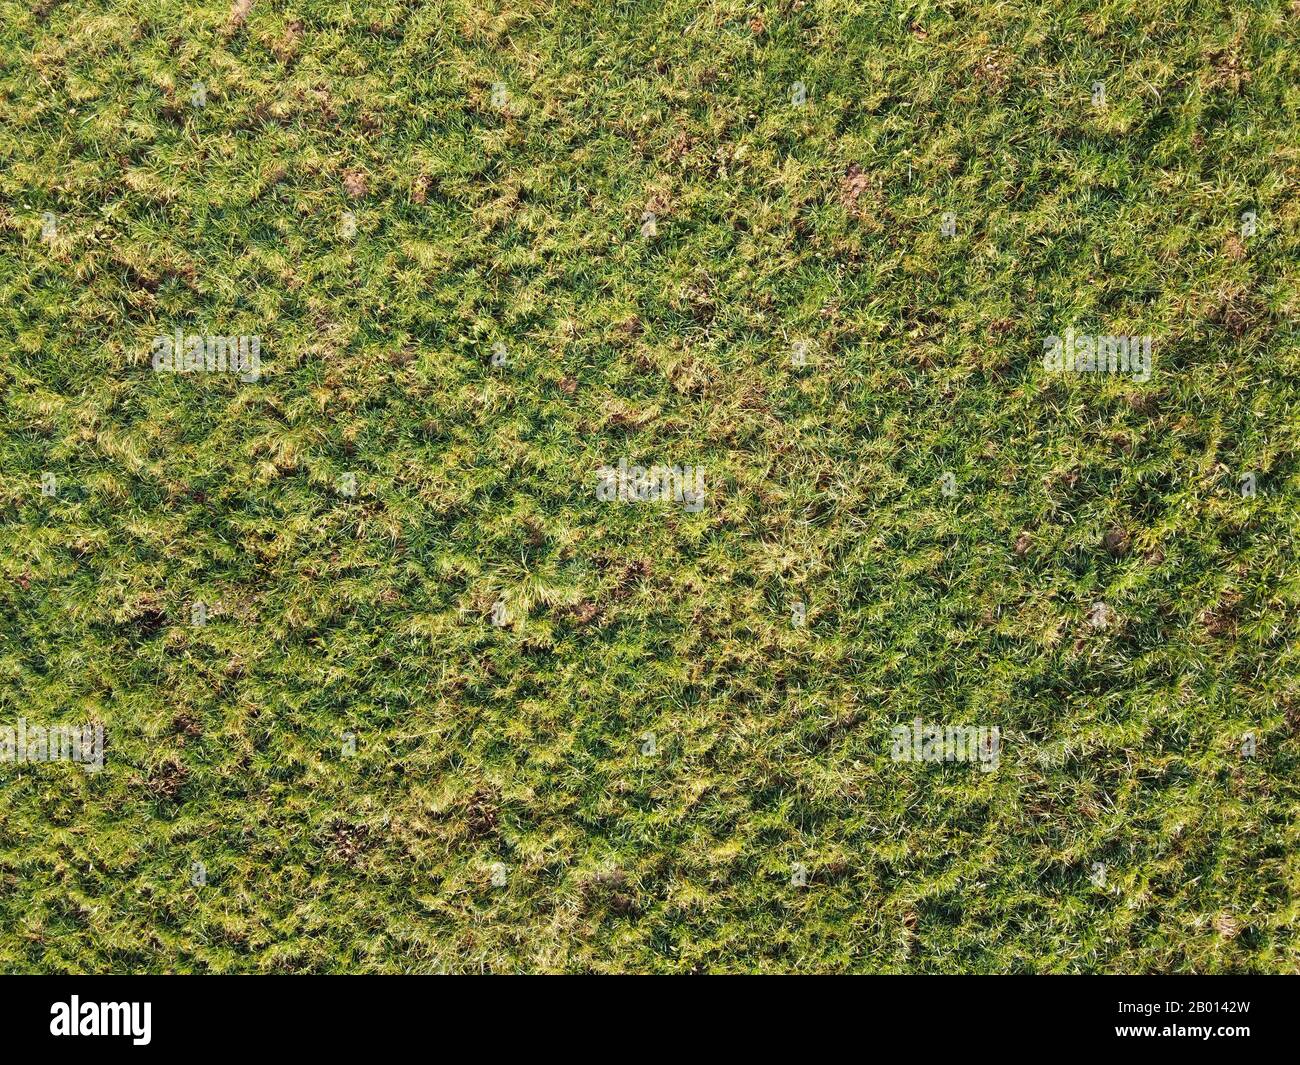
(388, 684)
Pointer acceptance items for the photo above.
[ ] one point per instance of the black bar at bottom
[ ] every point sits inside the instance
(90, 1014)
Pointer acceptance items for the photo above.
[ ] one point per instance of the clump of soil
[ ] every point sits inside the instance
(355, 184)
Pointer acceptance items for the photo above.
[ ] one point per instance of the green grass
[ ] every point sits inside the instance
(521, 744)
